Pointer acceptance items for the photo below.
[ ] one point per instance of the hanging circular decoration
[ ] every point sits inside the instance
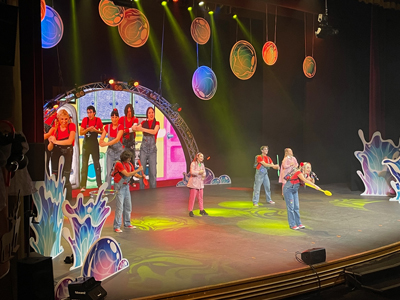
(309, 67)
(200, 30)
(110, 13)
(204, 83)
(52, 28)
(134, 28)
(270, 53)
(42, 9)
(243, 60)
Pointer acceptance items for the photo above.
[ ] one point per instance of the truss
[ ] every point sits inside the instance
(157, 100)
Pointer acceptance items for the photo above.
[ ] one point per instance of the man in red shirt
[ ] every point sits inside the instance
(91, 126)
(263, 163)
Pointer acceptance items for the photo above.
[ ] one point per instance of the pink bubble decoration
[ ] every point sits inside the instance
(134, 28)
(270, 53)
(200, 30)
(243, 60)
(204, 83)
(309, 67)
(110, 13)
(52, 28)
(42, 9)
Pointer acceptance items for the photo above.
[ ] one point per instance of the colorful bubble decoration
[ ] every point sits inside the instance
(42, 9)
(204, 83)
(243, 60)
(110, 13)
(270, 53)
(52, 28)
(200, 30)
(309, 67)
(134, 28)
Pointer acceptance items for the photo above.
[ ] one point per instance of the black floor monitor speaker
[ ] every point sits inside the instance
(86, 288)
(35, 278)
(313, 256)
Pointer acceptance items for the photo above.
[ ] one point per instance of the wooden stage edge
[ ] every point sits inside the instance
(284, 284)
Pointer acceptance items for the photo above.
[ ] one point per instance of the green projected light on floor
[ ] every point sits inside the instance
(162, 223)
(167, 268)
(353, 203)
(269, 227)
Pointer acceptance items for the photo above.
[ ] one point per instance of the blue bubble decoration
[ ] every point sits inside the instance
(204, 83)
(52, 28)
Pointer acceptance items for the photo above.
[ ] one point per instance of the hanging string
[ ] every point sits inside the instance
(197, 50)
(266, 21)
(276, 20)
(251, 36)
(312, 41)
(305, 35)
(162, 52)
(212, 44)
(236, 30)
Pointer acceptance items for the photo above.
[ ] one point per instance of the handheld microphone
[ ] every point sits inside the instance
(314, 175)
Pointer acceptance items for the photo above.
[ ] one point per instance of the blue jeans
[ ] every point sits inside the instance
(261, 178)
(291, 194)
(148, 153)
(123, 205)
(113, 155)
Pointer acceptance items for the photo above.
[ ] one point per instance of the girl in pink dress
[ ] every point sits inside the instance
(196, 183)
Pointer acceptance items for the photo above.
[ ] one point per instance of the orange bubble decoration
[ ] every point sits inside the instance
(200, 30)
(243, 60)
(270, 53)
(134, 28)
(309, 67)
(110, 13)
(42, 9)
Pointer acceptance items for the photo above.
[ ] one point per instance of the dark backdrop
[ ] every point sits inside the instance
(279, 107)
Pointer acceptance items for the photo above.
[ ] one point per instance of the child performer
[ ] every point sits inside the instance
(196, 183)
(123, 170)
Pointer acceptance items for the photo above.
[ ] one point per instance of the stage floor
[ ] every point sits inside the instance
(169, 251)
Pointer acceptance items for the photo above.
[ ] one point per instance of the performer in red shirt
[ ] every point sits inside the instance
(123, 170)
(291, 193)
(91, 127)
(114, 144)
(129, 123)
(148, 148)
(61, 143)
(263, 163)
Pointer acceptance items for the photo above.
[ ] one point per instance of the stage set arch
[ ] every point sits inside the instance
(104, 96)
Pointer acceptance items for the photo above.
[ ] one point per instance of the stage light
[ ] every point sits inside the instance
(176, 107)
(201, 3)
(211, 12)
(324, 29)
(234, 16)
(175, 0)
(117, 87)
(136, 83)
(111, 81)
(79, 92)
(190, 8)
(164, 3)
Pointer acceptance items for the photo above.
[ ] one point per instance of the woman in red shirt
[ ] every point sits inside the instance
(61, 143)
(148, 148)
(291, 193)
(115, 148)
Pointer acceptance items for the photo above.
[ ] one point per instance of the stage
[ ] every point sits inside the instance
(170, 251)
